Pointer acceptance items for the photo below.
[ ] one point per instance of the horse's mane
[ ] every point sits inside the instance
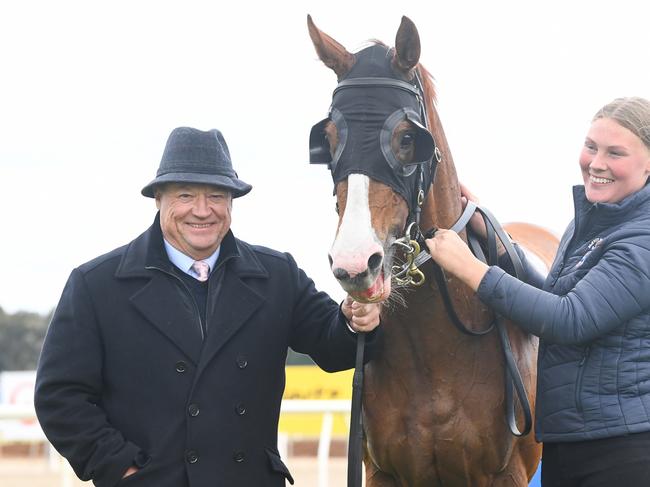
(428, 84)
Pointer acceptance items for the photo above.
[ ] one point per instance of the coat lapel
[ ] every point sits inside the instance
(161, 303)
(235, 304)
(160, 300)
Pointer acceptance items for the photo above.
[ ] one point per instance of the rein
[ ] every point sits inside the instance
(410, 273)
(356, 420)
(513, 379)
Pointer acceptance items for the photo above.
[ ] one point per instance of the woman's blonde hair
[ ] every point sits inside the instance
(633, 113)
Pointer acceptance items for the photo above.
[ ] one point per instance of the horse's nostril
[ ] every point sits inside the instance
(329, 257)
(341, 274)
(375, 261)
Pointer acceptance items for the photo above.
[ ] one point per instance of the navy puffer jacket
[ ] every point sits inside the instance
(593, 318)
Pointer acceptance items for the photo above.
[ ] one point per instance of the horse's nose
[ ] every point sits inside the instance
(341, 274)
(346, 267)
(375, 260)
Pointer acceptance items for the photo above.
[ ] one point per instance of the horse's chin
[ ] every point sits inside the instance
(379, 291)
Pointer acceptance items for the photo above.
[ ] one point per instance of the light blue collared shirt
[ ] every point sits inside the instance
(185, 262)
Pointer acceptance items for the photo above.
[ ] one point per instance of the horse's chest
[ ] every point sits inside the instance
(432, 431)
(418, 435)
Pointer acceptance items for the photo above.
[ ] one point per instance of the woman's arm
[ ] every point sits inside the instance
(614, 291)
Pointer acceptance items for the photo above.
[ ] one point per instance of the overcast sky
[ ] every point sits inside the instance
(89, 92)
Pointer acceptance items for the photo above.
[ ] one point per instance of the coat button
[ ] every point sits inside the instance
(191, 456)
(242, 362)
(238, 456)
(193, 410)
(181, 367)
(240, 409)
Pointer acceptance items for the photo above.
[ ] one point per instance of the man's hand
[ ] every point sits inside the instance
(363, 317)
(130, 471)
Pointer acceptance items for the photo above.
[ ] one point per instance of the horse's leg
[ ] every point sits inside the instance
(377, 478)
(374, 476)
(511, 477)
(522, 465)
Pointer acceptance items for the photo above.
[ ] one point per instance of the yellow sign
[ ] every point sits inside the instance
(310, 382)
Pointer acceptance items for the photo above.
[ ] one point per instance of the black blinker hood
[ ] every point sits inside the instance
(367, 105)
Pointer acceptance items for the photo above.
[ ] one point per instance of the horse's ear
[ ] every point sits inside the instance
(333, 54)
(407, 47)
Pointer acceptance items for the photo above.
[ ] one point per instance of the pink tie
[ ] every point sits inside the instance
(202, 269)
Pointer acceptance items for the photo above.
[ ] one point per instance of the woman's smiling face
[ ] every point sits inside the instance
(614, 162)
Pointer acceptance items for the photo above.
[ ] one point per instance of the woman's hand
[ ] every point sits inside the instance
(453, 255)
(476, 221)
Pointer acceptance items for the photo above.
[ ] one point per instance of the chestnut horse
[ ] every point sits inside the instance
(433, 398)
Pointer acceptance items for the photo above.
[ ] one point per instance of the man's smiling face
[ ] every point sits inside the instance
(194, 218)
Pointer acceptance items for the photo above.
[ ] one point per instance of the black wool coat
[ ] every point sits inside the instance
(125, 378)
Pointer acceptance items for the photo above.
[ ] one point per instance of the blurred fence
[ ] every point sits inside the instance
(326, 409)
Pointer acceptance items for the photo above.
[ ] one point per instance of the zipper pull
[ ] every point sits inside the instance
(584, 357)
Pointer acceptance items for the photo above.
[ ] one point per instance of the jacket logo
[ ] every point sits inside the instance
(593, 244)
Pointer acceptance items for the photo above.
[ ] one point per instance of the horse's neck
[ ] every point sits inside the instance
(441, 209)
(442, 206)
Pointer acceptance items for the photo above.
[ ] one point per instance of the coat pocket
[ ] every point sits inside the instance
(141, 460)
(277, 465)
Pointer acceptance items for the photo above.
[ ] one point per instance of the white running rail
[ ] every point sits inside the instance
(289, 406)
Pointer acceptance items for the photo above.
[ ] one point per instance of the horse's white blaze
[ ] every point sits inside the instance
(356, 240)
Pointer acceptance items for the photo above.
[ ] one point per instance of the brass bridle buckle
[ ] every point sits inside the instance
(408, 273)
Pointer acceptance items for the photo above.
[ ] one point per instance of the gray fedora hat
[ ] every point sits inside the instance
(195, 156)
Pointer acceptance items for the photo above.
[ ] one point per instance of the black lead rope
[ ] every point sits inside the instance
(356, 419)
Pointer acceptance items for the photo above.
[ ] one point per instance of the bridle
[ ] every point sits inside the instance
(412, 245)
(345, 160)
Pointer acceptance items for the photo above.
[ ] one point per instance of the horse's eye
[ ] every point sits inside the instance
(406, 141)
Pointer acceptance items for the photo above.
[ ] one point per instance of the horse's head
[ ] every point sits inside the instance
(379, 152)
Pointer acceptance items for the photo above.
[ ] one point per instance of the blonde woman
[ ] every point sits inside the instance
(592, 312)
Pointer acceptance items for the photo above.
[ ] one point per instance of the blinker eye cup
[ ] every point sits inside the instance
(319, 147)
(424, 144)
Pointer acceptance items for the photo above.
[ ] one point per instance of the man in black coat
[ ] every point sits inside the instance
(163, 365)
